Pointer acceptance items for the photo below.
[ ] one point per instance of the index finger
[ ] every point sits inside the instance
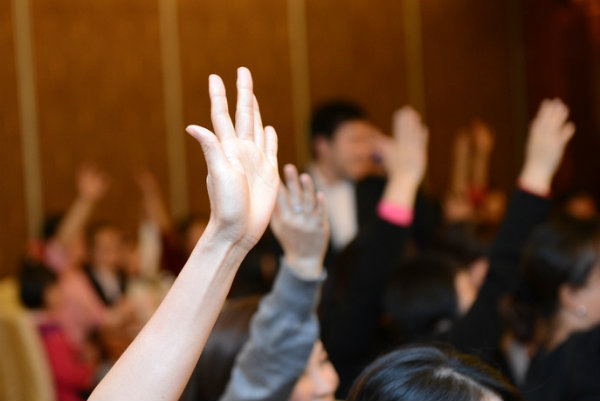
(219, 111)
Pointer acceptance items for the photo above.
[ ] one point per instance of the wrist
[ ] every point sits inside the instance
(401, 191)
(307, 267)
(217, 237)
(535, 179)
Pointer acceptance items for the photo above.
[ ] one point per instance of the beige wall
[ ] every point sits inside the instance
(101, 92)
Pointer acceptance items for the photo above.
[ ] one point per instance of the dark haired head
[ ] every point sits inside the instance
(34, 280)
(421, 298)
(423, 372)
(461, 242)
(562, 252)
(327, 117)
(230, 333)
(51, 224)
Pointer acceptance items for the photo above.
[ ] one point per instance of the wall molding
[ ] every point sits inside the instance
(173, 103)
(298, 42)
(28, 115)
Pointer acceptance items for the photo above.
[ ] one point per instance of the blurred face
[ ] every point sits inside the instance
(53, 297)
(319, 381)
(587, 298)
(466, 291)
(350, 153)
(107, 249)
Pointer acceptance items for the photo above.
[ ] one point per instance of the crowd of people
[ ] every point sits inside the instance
(347, 281)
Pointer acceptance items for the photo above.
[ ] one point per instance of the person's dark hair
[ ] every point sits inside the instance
(426, 372)
(562, 252)
(51, 224)
(420, 298)
(230, 333)
(34, 280)
(460, 241)
(327, 117)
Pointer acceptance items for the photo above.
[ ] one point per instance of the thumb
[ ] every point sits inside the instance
(211, 147)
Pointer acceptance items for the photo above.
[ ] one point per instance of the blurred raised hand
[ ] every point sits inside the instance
(404, 156)
(92, 183)
(549, 133)
(300, 224)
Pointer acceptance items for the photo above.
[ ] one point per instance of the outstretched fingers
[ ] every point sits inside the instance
(244, 113)
(308, 197)
(259, 130)
(271, 145)
(219, 111)
(211, 147)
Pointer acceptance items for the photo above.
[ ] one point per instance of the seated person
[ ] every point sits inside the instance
(106, 270)
(73, 369)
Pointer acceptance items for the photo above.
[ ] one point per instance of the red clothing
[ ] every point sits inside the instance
(71, 375)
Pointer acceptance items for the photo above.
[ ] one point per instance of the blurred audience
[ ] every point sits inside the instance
(468, 286)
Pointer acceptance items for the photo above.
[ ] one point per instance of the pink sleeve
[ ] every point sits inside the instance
(395, 214)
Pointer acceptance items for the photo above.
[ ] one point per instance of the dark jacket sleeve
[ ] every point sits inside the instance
(370, 258)
(480, 331)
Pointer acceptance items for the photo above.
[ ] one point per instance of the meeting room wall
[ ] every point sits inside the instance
(114, 82)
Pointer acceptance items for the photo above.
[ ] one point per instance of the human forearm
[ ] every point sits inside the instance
(190, 310)
(481, 167)
(282, 335)
(74, 220)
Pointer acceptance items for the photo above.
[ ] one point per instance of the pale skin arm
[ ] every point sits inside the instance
(153, 202)
(460, 164)
(242, 183)
(483, 144)
(549, 134)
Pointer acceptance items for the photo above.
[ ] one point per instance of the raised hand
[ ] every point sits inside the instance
(482, 136)
(404, 156)
(549, 135)
(300, 224)
(91, 183)
(243, 179)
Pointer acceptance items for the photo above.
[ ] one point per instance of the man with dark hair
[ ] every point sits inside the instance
(343, 142)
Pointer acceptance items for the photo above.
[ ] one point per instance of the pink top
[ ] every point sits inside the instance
(71, 375)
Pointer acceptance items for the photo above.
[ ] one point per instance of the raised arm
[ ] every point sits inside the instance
(153, 201)
(461, 155)
(480, 330)
(91, 187)
(284, 330)
(373, 255)
(483, 144)
(242, 184)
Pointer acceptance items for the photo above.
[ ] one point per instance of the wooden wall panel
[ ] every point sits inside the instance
(467, 74)
(356, 51)
(562, 54)
(218, 37)
(12, 195)
(100, 97)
